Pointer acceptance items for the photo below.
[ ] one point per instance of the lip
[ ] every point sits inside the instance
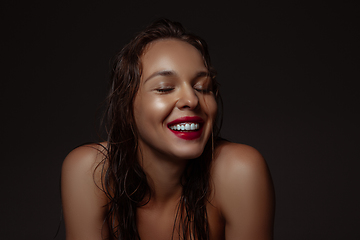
(195, 119)
(191, 135)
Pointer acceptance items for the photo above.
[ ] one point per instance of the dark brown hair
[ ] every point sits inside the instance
(124, 181)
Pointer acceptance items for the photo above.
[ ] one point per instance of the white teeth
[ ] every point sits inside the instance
(185, 126)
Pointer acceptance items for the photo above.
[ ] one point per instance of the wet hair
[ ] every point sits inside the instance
(123, 179)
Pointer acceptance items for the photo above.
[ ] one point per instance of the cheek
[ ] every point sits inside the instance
(151, 109)
(160, 105)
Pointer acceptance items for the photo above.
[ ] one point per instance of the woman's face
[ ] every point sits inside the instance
(174, 108)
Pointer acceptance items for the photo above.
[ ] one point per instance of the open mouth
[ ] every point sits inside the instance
(189, 126)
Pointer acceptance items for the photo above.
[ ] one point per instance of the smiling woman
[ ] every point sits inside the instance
(171, 96)
(163, 173)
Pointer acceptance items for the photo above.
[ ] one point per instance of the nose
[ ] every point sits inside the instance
(187, 99)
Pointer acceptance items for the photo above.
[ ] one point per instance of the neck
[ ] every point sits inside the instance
(164, 176)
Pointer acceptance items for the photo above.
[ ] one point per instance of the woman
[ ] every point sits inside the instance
(162, 173)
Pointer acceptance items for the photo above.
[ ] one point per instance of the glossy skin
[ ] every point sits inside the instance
(173, 85)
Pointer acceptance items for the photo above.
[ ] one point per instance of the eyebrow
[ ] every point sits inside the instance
(173, 73)
(202, 74)
(161, 73)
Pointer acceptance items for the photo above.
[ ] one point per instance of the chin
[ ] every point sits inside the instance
(188, 152)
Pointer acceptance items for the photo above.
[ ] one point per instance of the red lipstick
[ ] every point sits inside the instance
(186, 134)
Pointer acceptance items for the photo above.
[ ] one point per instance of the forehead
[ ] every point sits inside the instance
(171, 54)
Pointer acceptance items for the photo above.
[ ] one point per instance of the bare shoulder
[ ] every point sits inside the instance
(237, 164)
(84, 158)
(82, 196)
(238, 159)
(234, 153)
(243, 191)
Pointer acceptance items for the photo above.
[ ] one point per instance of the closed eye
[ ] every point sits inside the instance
(203, 90)
(164, 90)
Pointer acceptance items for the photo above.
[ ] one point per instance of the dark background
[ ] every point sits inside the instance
(288, 74)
